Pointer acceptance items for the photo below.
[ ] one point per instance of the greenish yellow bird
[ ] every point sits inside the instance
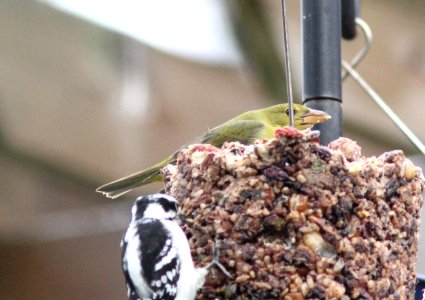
(245, 128)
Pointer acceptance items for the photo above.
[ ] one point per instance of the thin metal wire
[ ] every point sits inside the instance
(287, 64)
(381, 103)
(367, 32)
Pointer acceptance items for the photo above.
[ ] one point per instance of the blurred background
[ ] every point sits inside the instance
(93, 90)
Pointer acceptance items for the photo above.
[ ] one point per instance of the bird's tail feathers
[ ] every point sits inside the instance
(121, 186)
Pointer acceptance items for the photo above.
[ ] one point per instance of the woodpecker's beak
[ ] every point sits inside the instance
(182, 219)
(314, 117)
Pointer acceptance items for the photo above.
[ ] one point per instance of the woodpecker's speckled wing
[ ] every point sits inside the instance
(157, 277)
(160, 261)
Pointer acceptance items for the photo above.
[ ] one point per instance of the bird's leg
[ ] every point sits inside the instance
(215, 262)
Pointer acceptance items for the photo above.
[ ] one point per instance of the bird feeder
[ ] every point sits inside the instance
(304, 215)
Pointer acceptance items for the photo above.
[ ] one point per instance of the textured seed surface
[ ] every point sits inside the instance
(296, 220)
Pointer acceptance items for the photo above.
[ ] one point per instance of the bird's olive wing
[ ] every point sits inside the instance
(243, 131)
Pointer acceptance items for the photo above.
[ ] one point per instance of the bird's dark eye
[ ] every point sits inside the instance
(287, 111)
(168, 205)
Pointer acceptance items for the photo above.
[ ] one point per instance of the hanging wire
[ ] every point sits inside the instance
(367, 32)
(287, 65)
(349, 70)
(381, 103)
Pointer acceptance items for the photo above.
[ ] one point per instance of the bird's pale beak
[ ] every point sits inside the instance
(314, 116)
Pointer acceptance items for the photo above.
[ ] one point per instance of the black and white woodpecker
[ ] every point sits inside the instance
(156, 257)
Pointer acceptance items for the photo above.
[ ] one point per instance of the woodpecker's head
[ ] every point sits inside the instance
(155, 206)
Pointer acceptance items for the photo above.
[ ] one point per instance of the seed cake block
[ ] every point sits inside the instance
(297, 220)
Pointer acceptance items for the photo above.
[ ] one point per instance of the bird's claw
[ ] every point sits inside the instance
(215, 261)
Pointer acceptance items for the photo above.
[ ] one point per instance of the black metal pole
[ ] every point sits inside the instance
(349, 12)
(321, 31)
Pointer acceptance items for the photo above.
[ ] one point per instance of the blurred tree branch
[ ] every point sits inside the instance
(255, 38)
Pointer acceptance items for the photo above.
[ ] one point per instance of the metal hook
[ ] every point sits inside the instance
(381, 103)
(349, 70)
(367, 32)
